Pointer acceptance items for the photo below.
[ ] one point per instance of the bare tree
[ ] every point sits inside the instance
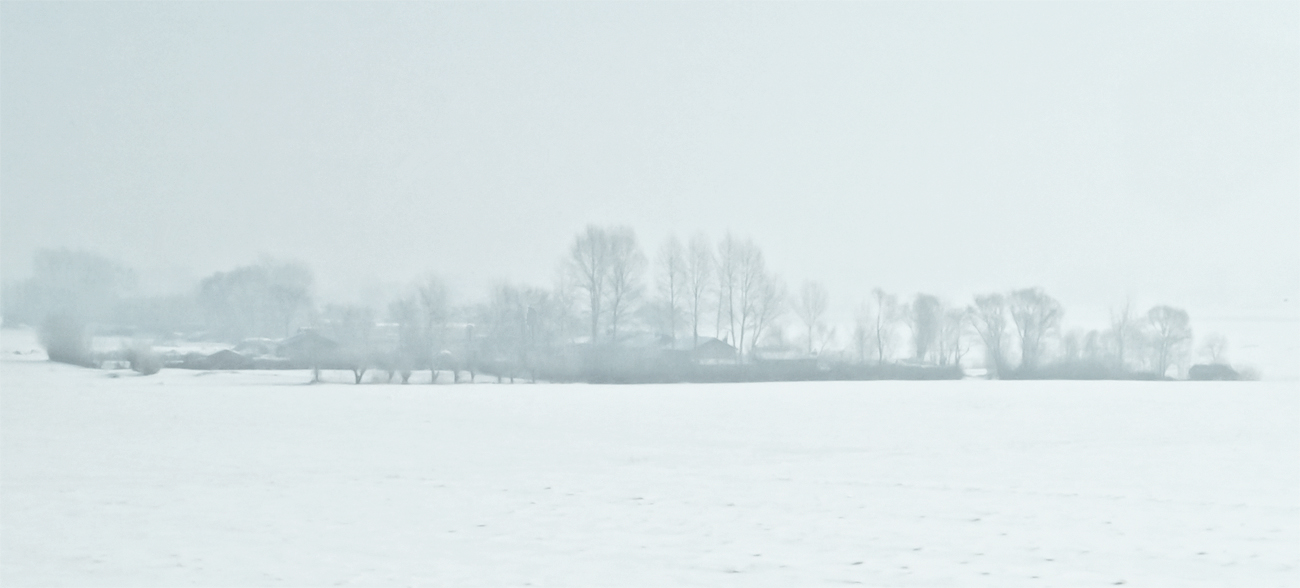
(1035, 315)
(567, 321)
(589, 264)
(989, 315)
(626, 264)
(256, 300)
(699, 274)
(431, 295)
(1094, 347)
(1214, 349)
(951, 339)
(884, 322)
(1122, 325)
(925, 317)
(412, 343)
(813, 302)
(751, 274)
(68, 285)
(288, 289)
(352, 327)
(672, 281)
(862, 325)
(510, 329)
(1071, 348)
(1170, 331)
(727, 269)
(766, 306)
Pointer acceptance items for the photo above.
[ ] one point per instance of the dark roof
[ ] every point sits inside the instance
(714, 349)
(228, 359)
(1212, 371)
(305, 343)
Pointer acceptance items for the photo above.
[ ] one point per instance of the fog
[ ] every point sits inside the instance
(1102, 152)
(649, 293)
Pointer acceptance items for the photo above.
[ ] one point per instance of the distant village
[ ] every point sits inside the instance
(700, 311)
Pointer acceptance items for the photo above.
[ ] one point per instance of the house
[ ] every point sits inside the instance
(306, 347)
(1212, 371)
(256, 347)
(228, 359)
(713, 351)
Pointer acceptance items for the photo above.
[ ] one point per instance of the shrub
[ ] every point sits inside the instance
(144, 360)
(65, 341)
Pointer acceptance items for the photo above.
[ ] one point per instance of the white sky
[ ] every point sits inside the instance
(1099, 150)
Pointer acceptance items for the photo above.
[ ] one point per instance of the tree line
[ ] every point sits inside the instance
(610, 307)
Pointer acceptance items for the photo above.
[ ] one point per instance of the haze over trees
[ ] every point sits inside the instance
(925, 317)
(611, 310)
(989, 315)
(672, 278)
(67, 291)
(883, 321)
(263, 300)
(1035, 315)
(699, 278)
(814, 301)
(626, 264)
(589, 266)
(952, 339)
(1122, 326)
(1171, 332)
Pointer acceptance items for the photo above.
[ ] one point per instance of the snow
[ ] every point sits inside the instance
(256, 478)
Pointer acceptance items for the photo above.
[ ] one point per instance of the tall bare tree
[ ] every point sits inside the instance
(884, 323)
(431, 294)
(672, 280)
(767, 306)
(951, 340)
(1170, 331)
(589, 264)
(567, 322)
(925, 318)
(515, 325)
(1036, 315)
(699, 274)
(751, 273)
(862, 325)
(412, 344)
(813, 302)
(1122, 325)
(989, 315)
(626, 264)
(727, 269)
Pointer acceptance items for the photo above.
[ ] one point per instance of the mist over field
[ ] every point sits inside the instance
(649, 293)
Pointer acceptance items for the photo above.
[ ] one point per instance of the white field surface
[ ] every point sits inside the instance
(256, 479)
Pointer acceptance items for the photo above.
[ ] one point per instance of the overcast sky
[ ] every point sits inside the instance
(1099, 150)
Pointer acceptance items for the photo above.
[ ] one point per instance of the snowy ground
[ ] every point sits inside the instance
(250, 479)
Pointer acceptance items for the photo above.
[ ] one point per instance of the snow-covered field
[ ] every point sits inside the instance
(251, 479)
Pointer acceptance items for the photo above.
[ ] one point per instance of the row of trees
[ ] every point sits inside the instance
(695, 284)
(724, 289)
(266, 299)
(609, 294)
